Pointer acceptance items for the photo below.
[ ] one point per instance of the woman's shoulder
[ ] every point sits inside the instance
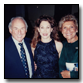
(59, 46)
(58, 43)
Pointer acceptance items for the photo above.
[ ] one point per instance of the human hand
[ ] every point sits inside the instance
(65, 74)
(35, 66)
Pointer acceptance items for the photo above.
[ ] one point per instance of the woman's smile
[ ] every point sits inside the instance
(45, 34)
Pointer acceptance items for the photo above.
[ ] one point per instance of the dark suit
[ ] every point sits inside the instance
(13, 65)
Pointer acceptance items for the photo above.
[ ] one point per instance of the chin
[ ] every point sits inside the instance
(68, 38)
(19, 40)
(45, 37)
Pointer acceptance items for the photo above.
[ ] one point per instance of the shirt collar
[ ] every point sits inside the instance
(16, 42)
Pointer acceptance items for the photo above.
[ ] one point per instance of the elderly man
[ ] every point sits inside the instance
(18, 56)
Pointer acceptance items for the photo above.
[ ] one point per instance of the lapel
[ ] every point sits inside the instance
(15, 55)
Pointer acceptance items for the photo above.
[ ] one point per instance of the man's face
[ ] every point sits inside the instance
(18, 29)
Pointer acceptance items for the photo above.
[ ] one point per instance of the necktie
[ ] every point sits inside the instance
(24, 60)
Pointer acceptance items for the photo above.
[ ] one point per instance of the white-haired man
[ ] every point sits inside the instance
(14, 63)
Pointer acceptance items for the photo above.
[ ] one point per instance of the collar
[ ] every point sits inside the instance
(16, 42)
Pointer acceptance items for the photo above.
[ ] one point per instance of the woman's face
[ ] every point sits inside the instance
(69, 30)
(45, 29)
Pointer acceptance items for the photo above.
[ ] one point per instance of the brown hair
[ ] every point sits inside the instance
(37, 36)
(67, 18)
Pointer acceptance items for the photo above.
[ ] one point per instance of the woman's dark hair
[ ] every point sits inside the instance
(37, 37)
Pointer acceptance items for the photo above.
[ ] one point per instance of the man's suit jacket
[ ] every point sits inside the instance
(13, 65)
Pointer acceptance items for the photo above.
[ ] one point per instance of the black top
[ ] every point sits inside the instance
(69, 54)
(46, 58)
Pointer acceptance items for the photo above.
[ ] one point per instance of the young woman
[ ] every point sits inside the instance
(46, 48)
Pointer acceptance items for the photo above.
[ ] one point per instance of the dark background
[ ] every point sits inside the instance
(31, 12)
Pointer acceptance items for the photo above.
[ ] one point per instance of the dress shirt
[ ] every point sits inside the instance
(27, 54)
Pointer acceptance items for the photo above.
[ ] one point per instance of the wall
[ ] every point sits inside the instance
(34, 11)
(75, 9)
(9, 12)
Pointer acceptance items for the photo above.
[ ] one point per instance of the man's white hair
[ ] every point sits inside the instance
(10, 23)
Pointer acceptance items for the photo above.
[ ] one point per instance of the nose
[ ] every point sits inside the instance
(19, 31)
(68, 30)
(45, 30)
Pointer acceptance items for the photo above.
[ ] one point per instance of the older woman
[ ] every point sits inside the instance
(68, 62)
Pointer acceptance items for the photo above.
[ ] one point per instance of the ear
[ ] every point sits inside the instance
(76, 31)
(51, 29)
(26, 31)
(10, 30)
(38, 29)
